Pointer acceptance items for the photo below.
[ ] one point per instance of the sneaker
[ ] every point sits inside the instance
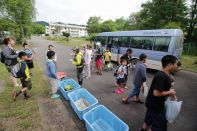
(55, 96)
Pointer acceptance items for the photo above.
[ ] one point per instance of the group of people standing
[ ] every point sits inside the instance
(9, 58)
(155, 118)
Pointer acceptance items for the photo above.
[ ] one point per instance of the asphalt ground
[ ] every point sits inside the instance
(102, 87)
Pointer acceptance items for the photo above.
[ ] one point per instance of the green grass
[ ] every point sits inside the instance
(188, 62)
(75, 42)
(21, 114)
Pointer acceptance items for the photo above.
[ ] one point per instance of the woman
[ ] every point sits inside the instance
(10, 57)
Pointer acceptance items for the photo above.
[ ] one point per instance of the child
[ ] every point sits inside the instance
(122, 71)
(78, 61)
(138, 80)
(25, 77)
(51, 72)
(29, 53)
(51, 48)
(107, 57)
(99, 58)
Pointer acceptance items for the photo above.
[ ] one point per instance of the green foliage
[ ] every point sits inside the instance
(18, 16)
(108, 26)
(156, 13)
(120, 23)
(38, 29)
(172, 25)
(93, 24)
(91, 37)
(66, 35)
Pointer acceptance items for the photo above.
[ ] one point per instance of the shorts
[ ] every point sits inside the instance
(99, 63)
(26, 84)
(120, 81)
(30, 65)
(157, 121)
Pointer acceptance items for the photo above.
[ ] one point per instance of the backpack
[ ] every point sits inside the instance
(116, 71)
(2, 57)
(16, 70)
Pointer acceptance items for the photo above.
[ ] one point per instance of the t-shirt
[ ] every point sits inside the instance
(122, 69)
(161, 82)
(107, 55)
(139, 75)
(87, 56)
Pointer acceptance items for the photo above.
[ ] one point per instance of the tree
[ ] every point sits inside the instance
(108, 26)
(21, 14)
(133, 22)
(192, 22)
(120, 23)
(157, 13)
(93, 24)
(67, 35)
(38, 29)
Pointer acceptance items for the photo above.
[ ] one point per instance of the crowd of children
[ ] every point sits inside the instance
(82, 59)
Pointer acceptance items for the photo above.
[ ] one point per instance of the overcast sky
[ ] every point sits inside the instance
(78, 11)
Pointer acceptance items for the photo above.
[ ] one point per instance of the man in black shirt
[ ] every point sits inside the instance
(160, 89)
(127, 56)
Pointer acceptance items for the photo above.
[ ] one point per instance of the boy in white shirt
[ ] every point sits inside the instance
(122, 71)
(87, 58)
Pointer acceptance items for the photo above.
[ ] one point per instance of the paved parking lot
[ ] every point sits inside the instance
(102, 87)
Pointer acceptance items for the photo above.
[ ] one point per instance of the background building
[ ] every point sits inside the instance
(58, 29)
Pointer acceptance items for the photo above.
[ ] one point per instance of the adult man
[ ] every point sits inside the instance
(160, 89)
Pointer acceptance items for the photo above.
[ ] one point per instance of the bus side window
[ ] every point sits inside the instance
(124, 41)
(162, 44)
(142, 42)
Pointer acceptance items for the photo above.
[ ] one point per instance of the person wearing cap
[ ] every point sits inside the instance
(78, 61)
(98, 59)
(25, 77)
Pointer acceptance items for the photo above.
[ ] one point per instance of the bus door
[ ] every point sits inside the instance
(113, 45)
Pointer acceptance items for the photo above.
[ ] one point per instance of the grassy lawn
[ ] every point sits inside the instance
(75, 42)
(21, 114)
(188, 62)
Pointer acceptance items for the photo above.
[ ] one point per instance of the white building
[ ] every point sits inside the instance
(59, 28)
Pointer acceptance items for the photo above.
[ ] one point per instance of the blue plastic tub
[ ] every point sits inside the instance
(82, 94)
(66, 82)
(101, 119)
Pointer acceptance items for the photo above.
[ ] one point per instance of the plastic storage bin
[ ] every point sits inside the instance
(101, 119)
(66, 82)
(82, 94)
